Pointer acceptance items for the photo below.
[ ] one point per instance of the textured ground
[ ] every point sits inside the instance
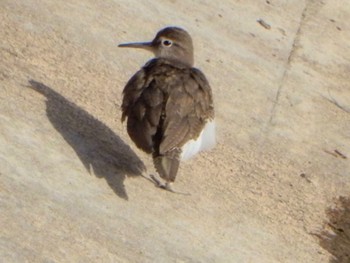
(275, 189)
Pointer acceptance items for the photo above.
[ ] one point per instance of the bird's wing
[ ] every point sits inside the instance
(166, 106)
(188, 107)
(142, 104)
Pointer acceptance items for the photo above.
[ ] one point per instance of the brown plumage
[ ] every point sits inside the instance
(167, 103)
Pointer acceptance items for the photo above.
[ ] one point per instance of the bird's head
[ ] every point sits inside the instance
(171, 43)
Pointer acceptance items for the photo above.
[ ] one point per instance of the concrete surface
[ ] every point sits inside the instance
(70, 184)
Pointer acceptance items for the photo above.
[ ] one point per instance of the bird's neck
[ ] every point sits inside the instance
(174, 62)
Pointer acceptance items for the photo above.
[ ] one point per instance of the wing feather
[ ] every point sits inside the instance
(189, 107)
(142, 105)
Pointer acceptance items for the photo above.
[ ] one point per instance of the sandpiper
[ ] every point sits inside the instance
(168, 104)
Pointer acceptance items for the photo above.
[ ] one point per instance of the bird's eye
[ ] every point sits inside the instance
(167, 43)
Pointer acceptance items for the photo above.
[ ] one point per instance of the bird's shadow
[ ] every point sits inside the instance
(102, 152)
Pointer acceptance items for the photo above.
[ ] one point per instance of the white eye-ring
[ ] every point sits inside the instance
(167, 43)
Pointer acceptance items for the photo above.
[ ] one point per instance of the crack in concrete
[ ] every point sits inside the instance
(336, 103)
(288, 63)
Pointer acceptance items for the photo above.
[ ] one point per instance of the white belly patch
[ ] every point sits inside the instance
(205, 141)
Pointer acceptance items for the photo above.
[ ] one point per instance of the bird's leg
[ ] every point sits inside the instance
(167, 186)
(156, 181)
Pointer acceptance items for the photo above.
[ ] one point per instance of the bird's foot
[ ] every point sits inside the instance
(156, 181)
(166, 186)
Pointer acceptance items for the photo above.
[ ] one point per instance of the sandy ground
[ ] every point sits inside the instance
(275, 189)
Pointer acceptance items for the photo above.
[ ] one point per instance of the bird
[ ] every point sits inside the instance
(168, 104)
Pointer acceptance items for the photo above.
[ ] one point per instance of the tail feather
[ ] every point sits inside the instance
(167, 165)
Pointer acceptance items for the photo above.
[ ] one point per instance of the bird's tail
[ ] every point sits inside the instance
(167, 165)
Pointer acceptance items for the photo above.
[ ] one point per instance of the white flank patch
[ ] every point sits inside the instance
(205, 141)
